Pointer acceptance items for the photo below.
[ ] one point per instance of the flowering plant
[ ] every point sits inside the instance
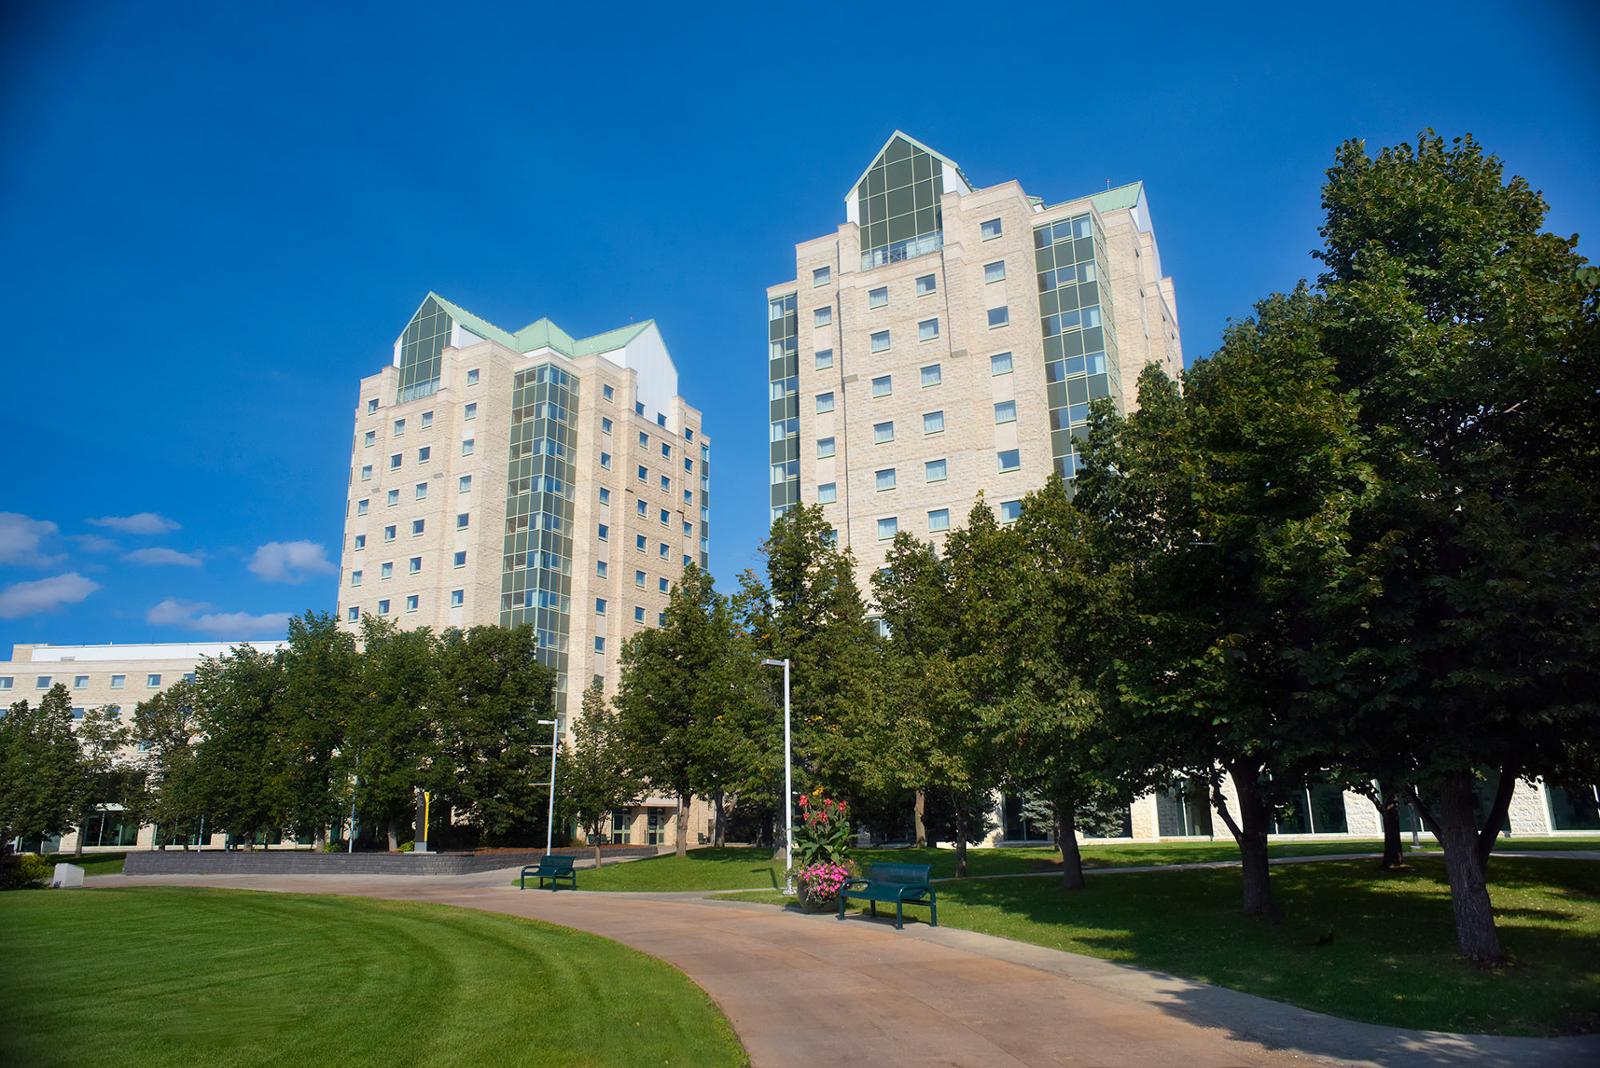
(824, 832)
(820, 883)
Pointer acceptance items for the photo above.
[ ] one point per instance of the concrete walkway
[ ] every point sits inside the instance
(809, 989)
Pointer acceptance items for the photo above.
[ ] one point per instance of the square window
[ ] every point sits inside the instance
(599, 644)
(882, 432)
(883, 385)
(459, 559)
(1005, 412)
(608, 392)
(828, 493)
(927, 284)
(414, 565)
(932, 375)
(933, 423)
(990, 230)
(605, 532)
(79, 682)
(361, 506)
(422, 491)
(638, 407)
(424, 454)
(427, 420)
(638, 579)
(1010, 459)
(927, 330)
(412, 600)
(878, 298)
(395, 460)
(644, 440)
(824, 403)
(822, 316)
(663, 517)
(117, 682)
(820, 276)
(824, 448)
(999, 317)
(644, 473)
(666, 484)
(458, 598)
(638, 614)
(352, 613)
(605, 425)
(885, 479)
(1000, 364)
(472, 377)
(661, 619)
(468, 447)
(399, 427)
(639, 542)
(462, 521)
(605, 460)
(464, 484)
(383, 607)
(641, 506)
(152, 680)
(662, 584)
(372, 405)
(361, 541)
(366, 472)
(600, 567)
(386, 570)
(605, 495)
(824, 359)
(392, 498)
(1010, 511)
(370, 438)
(417, 527)
(935, 471)
(880, 341)
(994, 272)
(938, 520)
(388, 533)
(599, 606)
(666, 451)
(663, 551)
(888, 528)
(470, 412)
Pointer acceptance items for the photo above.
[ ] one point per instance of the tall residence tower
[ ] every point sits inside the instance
(947, 340)
(527, 477)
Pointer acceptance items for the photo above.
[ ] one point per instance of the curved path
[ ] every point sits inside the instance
(804, 990)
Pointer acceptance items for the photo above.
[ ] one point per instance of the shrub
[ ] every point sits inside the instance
(24, 871)
(824, 833)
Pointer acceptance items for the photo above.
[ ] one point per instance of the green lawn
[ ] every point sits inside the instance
(703, 869)
(1355, 942)
(218, 977)
(92, 863)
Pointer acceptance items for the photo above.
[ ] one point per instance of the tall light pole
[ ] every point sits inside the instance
(550, 818)
(788, 783)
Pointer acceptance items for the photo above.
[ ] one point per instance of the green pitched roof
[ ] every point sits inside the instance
(1123, 196)
(542, 333)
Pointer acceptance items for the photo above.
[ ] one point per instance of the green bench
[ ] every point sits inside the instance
(902, 884)
(552, 868)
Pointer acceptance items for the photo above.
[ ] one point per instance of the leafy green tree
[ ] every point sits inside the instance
(321, 686)
(492, 693)
(597, 777)
(1230, 502)
(392, 741)
(164, 726)
(236, 699)
(40, 778)
(1468, 340)
(103, 776)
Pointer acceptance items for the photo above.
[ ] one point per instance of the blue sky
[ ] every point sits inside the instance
(216, 218)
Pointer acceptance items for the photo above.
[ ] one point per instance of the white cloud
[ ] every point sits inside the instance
(290, 561)
(44, 595)
(192, 615)
(20, 537)
(141, 523)
(94, 543)
(157, 557)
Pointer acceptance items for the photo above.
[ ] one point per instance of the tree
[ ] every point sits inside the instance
(40, 780)
(164, 726)
(1468, 340)
(492, 692)
(236, 698)
(1231, 502)
(103, 777)
(321, 678)
(392, 742)
(599, 778)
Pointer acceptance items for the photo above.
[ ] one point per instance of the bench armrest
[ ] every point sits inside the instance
(918, 890)
(848, 883)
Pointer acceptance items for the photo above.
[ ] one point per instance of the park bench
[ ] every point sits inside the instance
(903, 884)
(552, 868)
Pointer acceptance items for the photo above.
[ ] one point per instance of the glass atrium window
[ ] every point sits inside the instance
(821, 276)
(935, 471)
(932, 375)
(994, 272)
(878, 298)
(927, 284)
(824, 448)
(824, 403)
(883, 385)
(933, 423)
(990, 230)
(822, 316)
(885, 479)
(1000, 364)
(882, 432)
(880, 341)
(828, 493)
(887, 528)
(927, 330)
(898, 205)
(1010, 459)
(1005, 412)
(999, 317)
(938, 520)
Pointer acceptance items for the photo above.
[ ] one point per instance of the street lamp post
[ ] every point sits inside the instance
(788, 783)
(550, 818)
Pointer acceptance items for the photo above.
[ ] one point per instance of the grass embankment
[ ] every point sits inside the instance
(91, 863)
(1355, 942)
(178, 976)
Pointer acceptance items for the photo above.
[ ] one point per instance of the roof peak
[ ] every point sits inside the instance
(542, 333)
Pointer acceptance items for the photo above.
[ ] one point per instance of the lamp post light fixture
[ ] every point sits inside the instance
(788, 783)
(550, 818)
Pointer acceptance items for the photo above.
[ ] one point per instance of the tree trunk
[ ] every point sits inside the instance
(319, 840)
(1251, 838)
(1067, 833)
(919, 814)
(683, 826)
(394, 837)
(1496, 818)
(594, 840)
(961, 840)
(1469, 892)
(1389, 814)
(77, 848)
(719, 825)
